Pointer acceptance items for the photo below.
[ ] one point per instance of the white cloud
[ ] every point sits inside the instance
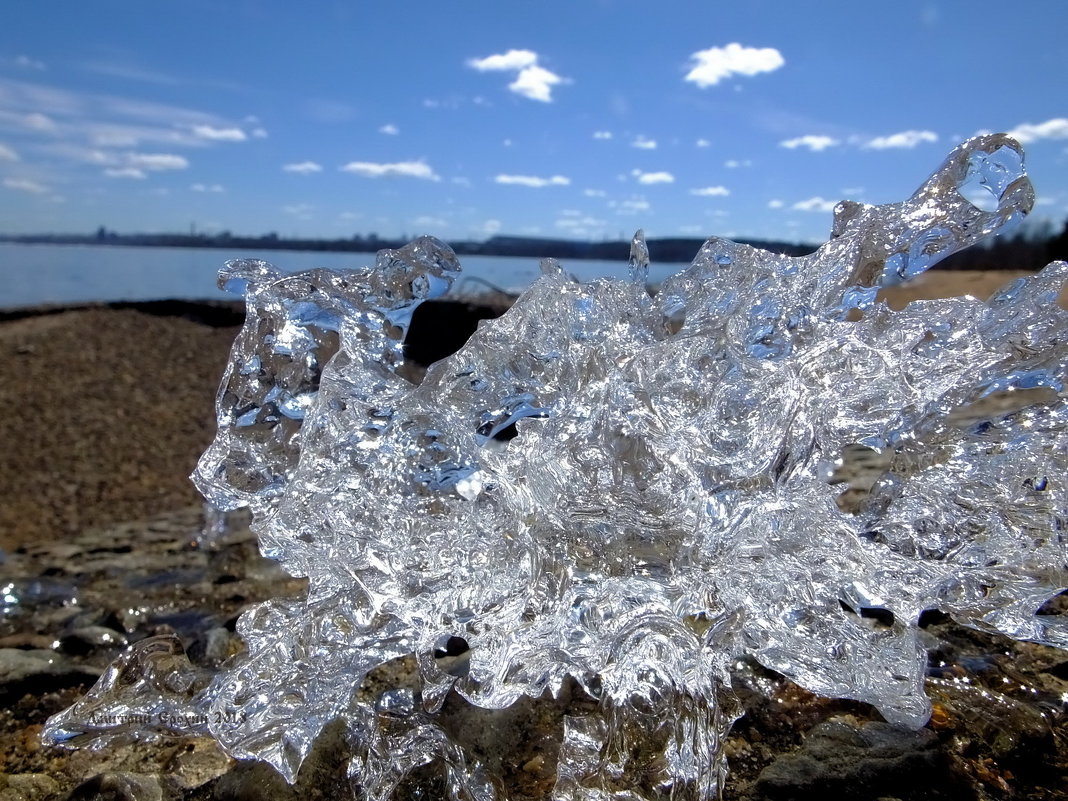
(259, 133)
(1056, 128)
(7, 154)
(490, 227)
(213, 134)
(157, 162)
(734, 164)
(904, 139)
(814, 142)
(703, 143)
(711, 191)
(125, 172)
(512, 60)
(814, 204)
(27, 63)
(643, 143)
(716, 63)
(404, 169)
(461, 180)
(215, 188)
(536, 83)
(594, 192)
(389, 129)
(653, 177)
(602, 134)
(532, 180)
(303, 167)
(775, 204)
(24, 185)
(532, 81)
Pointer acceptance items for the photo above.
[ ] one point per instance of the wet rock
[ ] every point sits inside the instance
(118, 787)
(196, 763)
(842, 758)
(38, 671)
(86, 639)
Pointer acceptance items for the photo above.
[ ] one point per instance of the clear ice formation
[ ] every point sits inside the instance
(661, 511)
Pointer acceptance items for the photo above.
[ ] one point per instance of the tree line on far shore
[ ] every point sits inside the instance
(1031, 248)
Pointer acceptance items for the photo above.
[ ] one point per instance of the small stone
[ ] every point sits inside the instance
(847, 759)
(118, 787)
(39, 671)
(85, 639)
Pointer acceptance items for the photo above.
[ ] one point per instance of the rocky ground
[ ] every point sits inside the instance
(107, 410)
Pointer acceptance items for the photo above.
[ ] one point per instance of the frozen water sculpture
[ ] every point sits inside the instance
(661, 511)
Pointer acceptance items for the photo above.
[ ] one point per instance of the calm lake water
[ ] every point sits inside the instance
(36, 274)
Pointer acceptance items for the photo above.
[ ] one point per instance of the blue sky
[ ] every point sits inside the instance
(466, 119)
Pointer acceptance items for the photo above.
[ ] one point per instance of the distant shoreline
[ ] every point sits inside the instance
(664, 250)
(1018, 252)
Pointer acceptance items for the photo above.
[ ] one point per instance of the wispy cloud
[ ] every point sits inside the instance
(813, 142)
(157, 162)
(734, 164)
(302, 211)
(130, 72)
(426, 221)
(1027, 132)
(212, 188)
(27, 63)
(213, 134)
(902, 140)
(36, 121)
(25, 185)
(643, 143)
(633, 205)
(703, 143)
(711, 191)
(580, 226)
(532, 181)
(107, 121)
(303, 167)
(125, 172)
(594, 192)
(389, 129)
(653, 177)
(775, 203)
(7, 154)
(602, 134)
(489, 227)
(400, 169)
(532, 80)
(716, 63)
(815, 204)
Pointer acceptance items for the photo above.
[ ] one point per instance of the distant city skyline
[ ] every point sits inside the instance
(582, 120)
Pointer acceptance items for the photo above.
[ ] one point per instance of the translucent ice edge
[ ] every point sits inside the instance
(661, 511)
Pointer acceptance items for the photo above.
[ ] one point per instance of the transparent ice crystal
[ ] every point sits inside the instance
(626, 493)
